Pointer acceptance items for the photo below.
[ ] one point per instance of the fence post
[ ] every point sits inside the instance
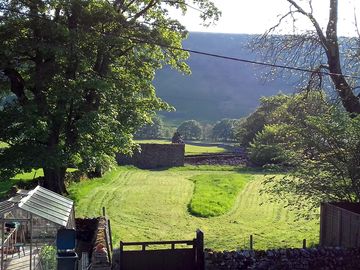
(200, 258)
(103, 211)
(304, 243)
(110, 235)
(121, 249)
(251, 242)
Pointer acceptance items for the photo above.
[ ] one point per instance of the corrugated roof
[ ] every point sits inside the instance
(6, 206)
(47, 204)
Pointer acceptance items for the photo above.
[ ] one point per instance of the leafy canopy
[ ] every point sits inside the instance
(319, 144)
(190, 130)
(80, 76)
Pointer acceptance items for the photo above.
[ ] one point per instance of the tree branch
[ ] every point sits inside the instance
(313, 21)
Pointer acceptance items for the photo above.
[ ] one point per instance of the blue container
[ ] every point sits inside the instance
(65, 244)
(65, 239)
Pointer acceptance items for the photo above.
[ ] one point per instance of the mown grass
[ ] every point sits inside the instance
(196, 149)
(6, 184)
(191, 149)
(146, 205)
(215, 194)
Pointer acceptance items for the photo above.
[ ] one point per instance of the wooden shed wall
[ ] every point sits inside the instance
(339, 227)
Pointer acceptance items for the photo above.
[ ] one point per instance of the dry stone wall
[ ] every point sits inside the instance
(154, 156)
(285, 259)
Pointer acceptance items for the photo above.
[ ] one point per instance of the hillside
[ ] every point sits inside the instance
(216, 88)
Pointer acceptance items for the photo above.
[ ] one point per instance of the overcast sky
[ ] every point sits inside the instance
(255, 16)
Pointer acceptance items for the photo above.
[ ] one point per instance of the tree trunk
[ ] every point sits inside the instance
(54, 180)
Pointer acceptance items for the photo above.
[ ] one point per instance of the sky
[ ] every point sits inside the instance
(256, 16)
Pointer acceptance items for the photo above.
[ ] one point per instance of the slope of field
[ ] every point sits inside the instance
(153, 205)
(215, 194)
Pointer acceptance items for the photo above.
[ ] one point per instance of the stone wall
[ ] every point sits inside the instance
(154, 156)
(91, 237)
(285, 259)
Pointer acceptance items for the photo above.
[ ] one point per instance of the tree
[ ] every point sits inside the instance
(81, 73)
(176, 138)
(318, 141)
(325, 157)
(247, 129)
(269, 144)
(317, 50)
(190, 130)
(152, 130)
(224, 130)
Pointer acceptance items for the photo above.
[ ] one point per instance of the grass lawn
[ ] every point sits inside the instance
(191, 149)
(153, 205)
(7, 184)
(215, 194)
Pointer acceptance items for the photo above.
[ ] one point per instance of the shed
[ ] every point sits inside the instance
(34, 217)
(340, 224)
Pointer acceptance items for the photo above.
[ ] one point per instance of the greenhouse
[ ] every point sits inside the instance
(30, 221)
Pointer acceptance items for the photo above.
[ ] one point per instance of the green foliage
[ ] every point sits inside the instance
(153, 205)
(270, 142)
(153, 130)
(190, 130)
(3, 145)
(82, 80)
(177, 138)
(326, 161)
(255, 122)
(267, 148)
(48, 257)
(320, 144)
(215, 195)
(224, 130)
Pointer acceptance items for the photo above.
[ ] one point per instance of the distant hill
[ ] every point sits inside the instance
(217, 88)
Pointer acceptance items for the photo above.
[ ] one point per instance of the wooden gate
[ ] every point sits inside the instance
(182, 258)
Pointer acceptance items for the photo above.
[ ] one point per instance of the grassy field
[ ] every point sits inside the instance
(7, 184)
(153, 205)
(215, 194)
(191, 149)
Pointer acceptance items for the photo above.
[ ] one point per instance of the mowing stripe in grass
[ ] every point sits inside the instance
(153, 205)
(215, 194)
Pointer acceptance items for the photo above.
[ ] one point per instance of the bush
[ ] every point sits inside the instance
(267, 147)
(48, 257)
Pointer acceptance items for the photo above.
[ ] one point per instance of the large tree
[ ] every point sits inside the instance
(323, 154)
(151, 130)
(190, 130)
(247, 128)
(81, 72)
(320, 49)
(224, 130)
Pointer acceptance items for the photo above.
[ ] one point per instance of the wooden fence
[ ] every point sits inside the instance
(163, 259)
(340, 225)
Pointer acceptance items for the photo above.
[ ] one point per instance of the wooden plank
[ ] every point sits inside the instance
(186, 242)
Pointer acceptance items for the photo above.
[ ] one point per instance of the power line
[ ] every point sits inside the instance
(242, 60)
(224, 57)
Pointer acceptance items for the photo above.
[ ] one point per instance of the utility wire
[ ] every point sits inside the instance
(139, 40)
(241, 60)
